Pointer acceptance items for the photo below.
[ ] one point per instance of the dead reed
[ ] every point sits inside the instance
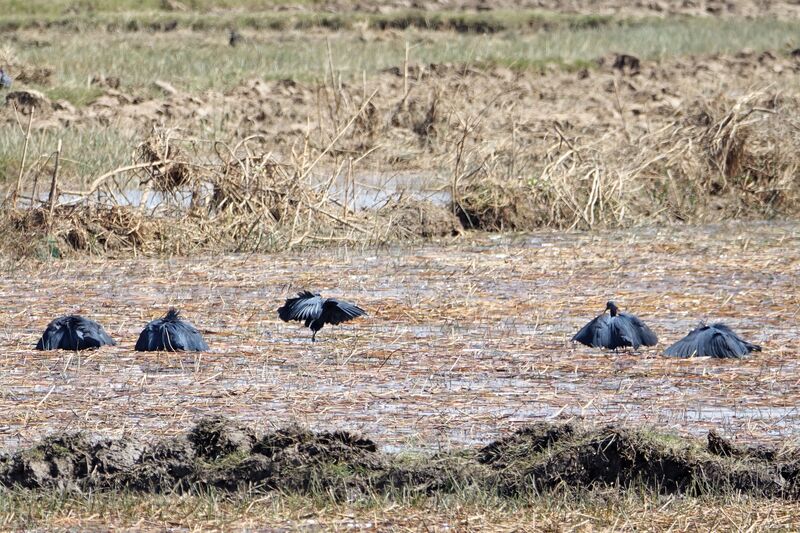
(633, 154)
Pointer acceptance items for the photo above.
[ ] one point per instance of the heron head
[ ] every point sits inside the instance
(612, 308)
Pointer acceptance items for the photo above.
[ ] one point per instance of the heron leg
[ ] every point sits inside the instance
(314, 336)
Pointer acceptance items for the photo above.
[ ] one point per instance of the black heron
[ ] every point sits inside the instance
(73, 332)
(170, 334)
(618, 330)
(5, 80)
(716, 340)
(317, 311)
(234, 38)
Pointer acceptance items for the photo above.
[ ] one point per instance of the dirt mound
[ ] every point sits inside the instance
(221, 453)
(81, 228)
(542, 458)
(25, 101)
(718, 445)
(525, 443)
(33, 74)
(70, 460)
(295, 459)
(592, 8)
(163, 466)
(218, 436)
(409, 217)
(492, 203)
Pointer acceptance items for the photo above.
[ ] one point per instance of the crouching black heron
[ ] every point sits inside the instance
(716, 340)
(73, 332)
(170, 334)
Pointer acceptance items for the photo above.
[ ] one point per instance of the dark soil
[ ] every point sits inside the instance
(420, 218)
(221, 453)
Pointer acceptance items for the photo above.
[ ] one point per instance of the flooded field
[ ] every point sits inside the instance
(464, 341)
(480, 177)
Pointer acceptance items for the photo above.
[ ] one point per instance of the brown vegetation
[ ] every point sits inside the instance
(239, 202)
(462, 341)
(610, 146)
(222, 454)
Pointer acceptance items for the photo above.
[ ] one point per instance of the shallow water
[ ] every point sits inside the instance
(463, 342)
(361, 192)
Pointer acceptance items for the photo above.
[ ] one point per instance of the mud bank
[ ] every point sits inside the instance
(220, 453)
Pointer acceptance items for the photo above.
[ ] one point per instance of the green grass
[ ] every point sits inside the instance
(75, 94)
(86, 152)
(60, 7)
(642, 510)
(197, 61)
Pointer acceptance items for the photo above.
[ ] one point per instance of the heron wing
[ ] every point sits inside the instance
(752, 347)
(148, 338)
(621, 333)
(306, 306)
(51, 338)
(691, 345)
(596, 333)
(182, 336)
(91, 334)
(717, 340)
(170, 336)
(641, 334)
(724, 346)
(747, 346)
(338, 311)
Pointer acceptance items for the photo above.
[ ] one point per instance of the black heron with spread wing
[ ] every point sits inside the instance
(317, 311)
(616, 330)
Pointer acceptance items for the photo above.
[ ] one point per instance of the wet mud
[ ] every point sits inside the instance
(218, 452)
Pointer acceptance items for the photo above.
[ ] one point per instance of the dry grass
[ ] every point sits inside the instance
(463, 342)
(167, 203)
(518, 129)
(637, 154)
(224, 512)
(714, 160)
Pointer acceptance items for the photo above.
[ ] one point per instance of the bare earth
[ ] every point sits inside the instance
(464, 342)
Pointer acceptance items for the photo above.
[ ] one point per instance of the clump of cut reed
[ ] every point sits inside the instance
(721, 159)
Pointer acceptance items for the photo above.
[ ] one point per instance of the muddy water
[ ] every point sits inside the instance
(464, 340)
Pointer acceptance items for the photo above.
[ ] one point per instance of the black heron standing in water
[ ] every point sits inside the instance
(317, 311)
(73, 332)
(619, 330)
(716, 340)
(5, 80)
(170, 334)
(234, 38)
